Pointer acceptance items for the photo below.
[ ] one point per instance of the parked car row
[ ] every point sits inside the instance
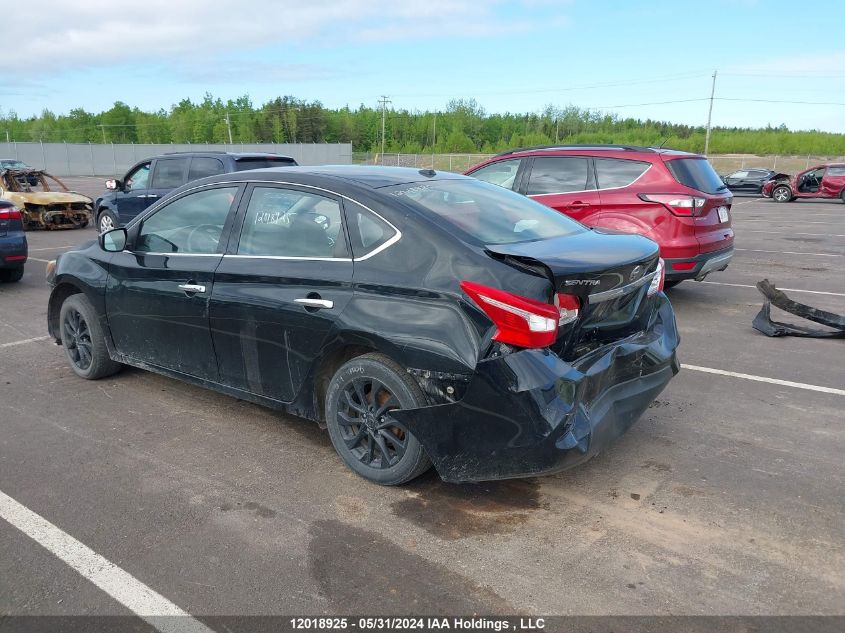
(821, 181)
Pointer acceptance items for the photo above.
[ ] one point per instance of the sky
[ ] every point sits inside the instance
(649, 59)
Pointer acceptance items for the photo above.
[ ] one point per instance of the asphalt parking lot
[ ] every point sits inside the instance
(725, 498)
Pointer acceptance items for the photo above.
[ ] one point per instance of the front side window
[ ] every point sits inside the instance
(558, 174)
(140, 178)
(289, 223)
(170, 173)
(192, 224)
(502, 173)
(482, 213)
(836, 171)
(612, 173)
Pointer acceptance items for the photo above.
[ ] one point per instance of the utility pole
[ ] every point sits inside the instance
(103, 129)
(434, 133)
(383, 101)
(229, 127)
(709, 115)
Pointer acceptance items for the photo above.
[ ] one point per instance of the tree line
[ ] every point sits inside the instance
(462, 127)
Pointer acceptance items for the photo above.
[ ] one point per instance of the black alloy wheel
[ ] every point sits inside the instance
(76, 336)
(361, 400)
(370, 432)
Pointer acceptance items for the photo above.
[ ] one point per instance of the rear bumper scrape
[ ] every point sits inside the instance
(531, 413)
(763, 321)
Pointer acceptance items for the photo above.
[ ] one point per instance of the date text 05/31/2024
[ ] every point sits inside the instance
(415, 623)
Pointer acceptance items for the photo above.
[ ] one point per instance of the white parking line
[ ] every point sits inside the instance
(51, 248)
(35, 259)
(812, 292)
(774, 381)
(757, 250)
(24, 341)
(793, 233)
(117, 583)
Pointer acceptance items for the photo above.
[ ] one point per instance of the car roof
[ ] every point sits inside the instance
(371, 176)
(632, 149)
(235, 155)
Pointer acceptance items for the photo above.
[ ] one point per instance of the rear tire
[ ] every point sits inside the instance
(359, 400)
(83, 339)
(842, 195)
(782, 194)
(11, 275)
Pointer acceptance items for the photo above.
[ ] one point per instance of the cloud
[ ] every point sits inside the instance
(55, 36)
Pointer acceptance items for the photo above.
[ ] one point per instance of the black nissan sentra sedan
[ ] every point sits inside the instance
(425, 318)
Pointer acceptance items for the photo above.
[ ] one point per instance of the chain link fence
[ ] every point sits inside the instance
(722, 163)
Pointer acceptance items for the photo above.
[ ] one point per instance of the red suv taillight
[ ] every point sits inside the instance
(9, 213)
(677, 204)
(521, 321)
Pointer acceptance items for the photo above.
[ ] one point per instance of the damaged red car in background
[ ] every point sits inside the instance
(821, 181)
(424, 318)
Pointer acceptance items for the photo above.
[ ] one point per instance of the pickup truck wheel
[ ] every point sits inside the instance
(781, 194)
(11, 275)
(83, 339)
(359, 401)
(106, 221)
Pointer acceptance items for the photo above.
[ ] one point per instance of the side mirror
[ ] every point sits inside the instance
(113, 241)
(114, 184)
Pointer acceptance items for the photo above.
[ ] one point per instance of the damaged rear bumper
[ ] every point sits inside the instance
(530, 413)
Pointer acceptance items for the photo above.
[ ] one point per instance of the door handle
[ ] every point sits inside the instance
(315, 303)
(578, 204)
(191, 288)
(150, 195)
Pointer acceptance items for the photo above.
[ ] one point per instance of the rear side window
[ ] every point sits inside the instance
(613, 172)
(696, 173)
(836, 171)
(202, 167)
(170, 173)
(262, 162)
(502, 173)
(367, 231)
(558, 174)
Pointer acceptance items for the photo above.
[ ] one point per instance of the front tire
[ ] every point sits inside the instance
(781, 194)
(106, 221)
(11, 275)
(83, 339)
(359, 401)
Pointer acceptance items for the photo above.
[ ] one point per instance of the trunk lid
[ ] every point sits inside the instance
(610, 274)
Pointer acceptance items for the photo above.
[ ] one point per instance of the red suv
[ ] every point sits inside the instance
(673, 197)
(822, 181)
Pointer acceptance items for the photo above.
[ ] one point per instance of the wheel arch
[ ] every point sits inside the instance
(58, 296)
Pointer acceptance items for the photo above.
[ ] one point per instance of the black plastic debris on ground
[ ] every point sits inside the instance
(763, 321)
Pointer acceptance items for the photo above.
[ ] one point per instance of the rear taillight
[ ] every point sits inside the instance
(519, 321)
(568, 305)
(677, 204)
(9, 213)
(657, 281)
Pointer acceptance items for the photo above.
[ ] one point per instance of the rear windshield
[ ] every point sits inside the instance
(697, 174)
(262, 162)
(487, 214)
